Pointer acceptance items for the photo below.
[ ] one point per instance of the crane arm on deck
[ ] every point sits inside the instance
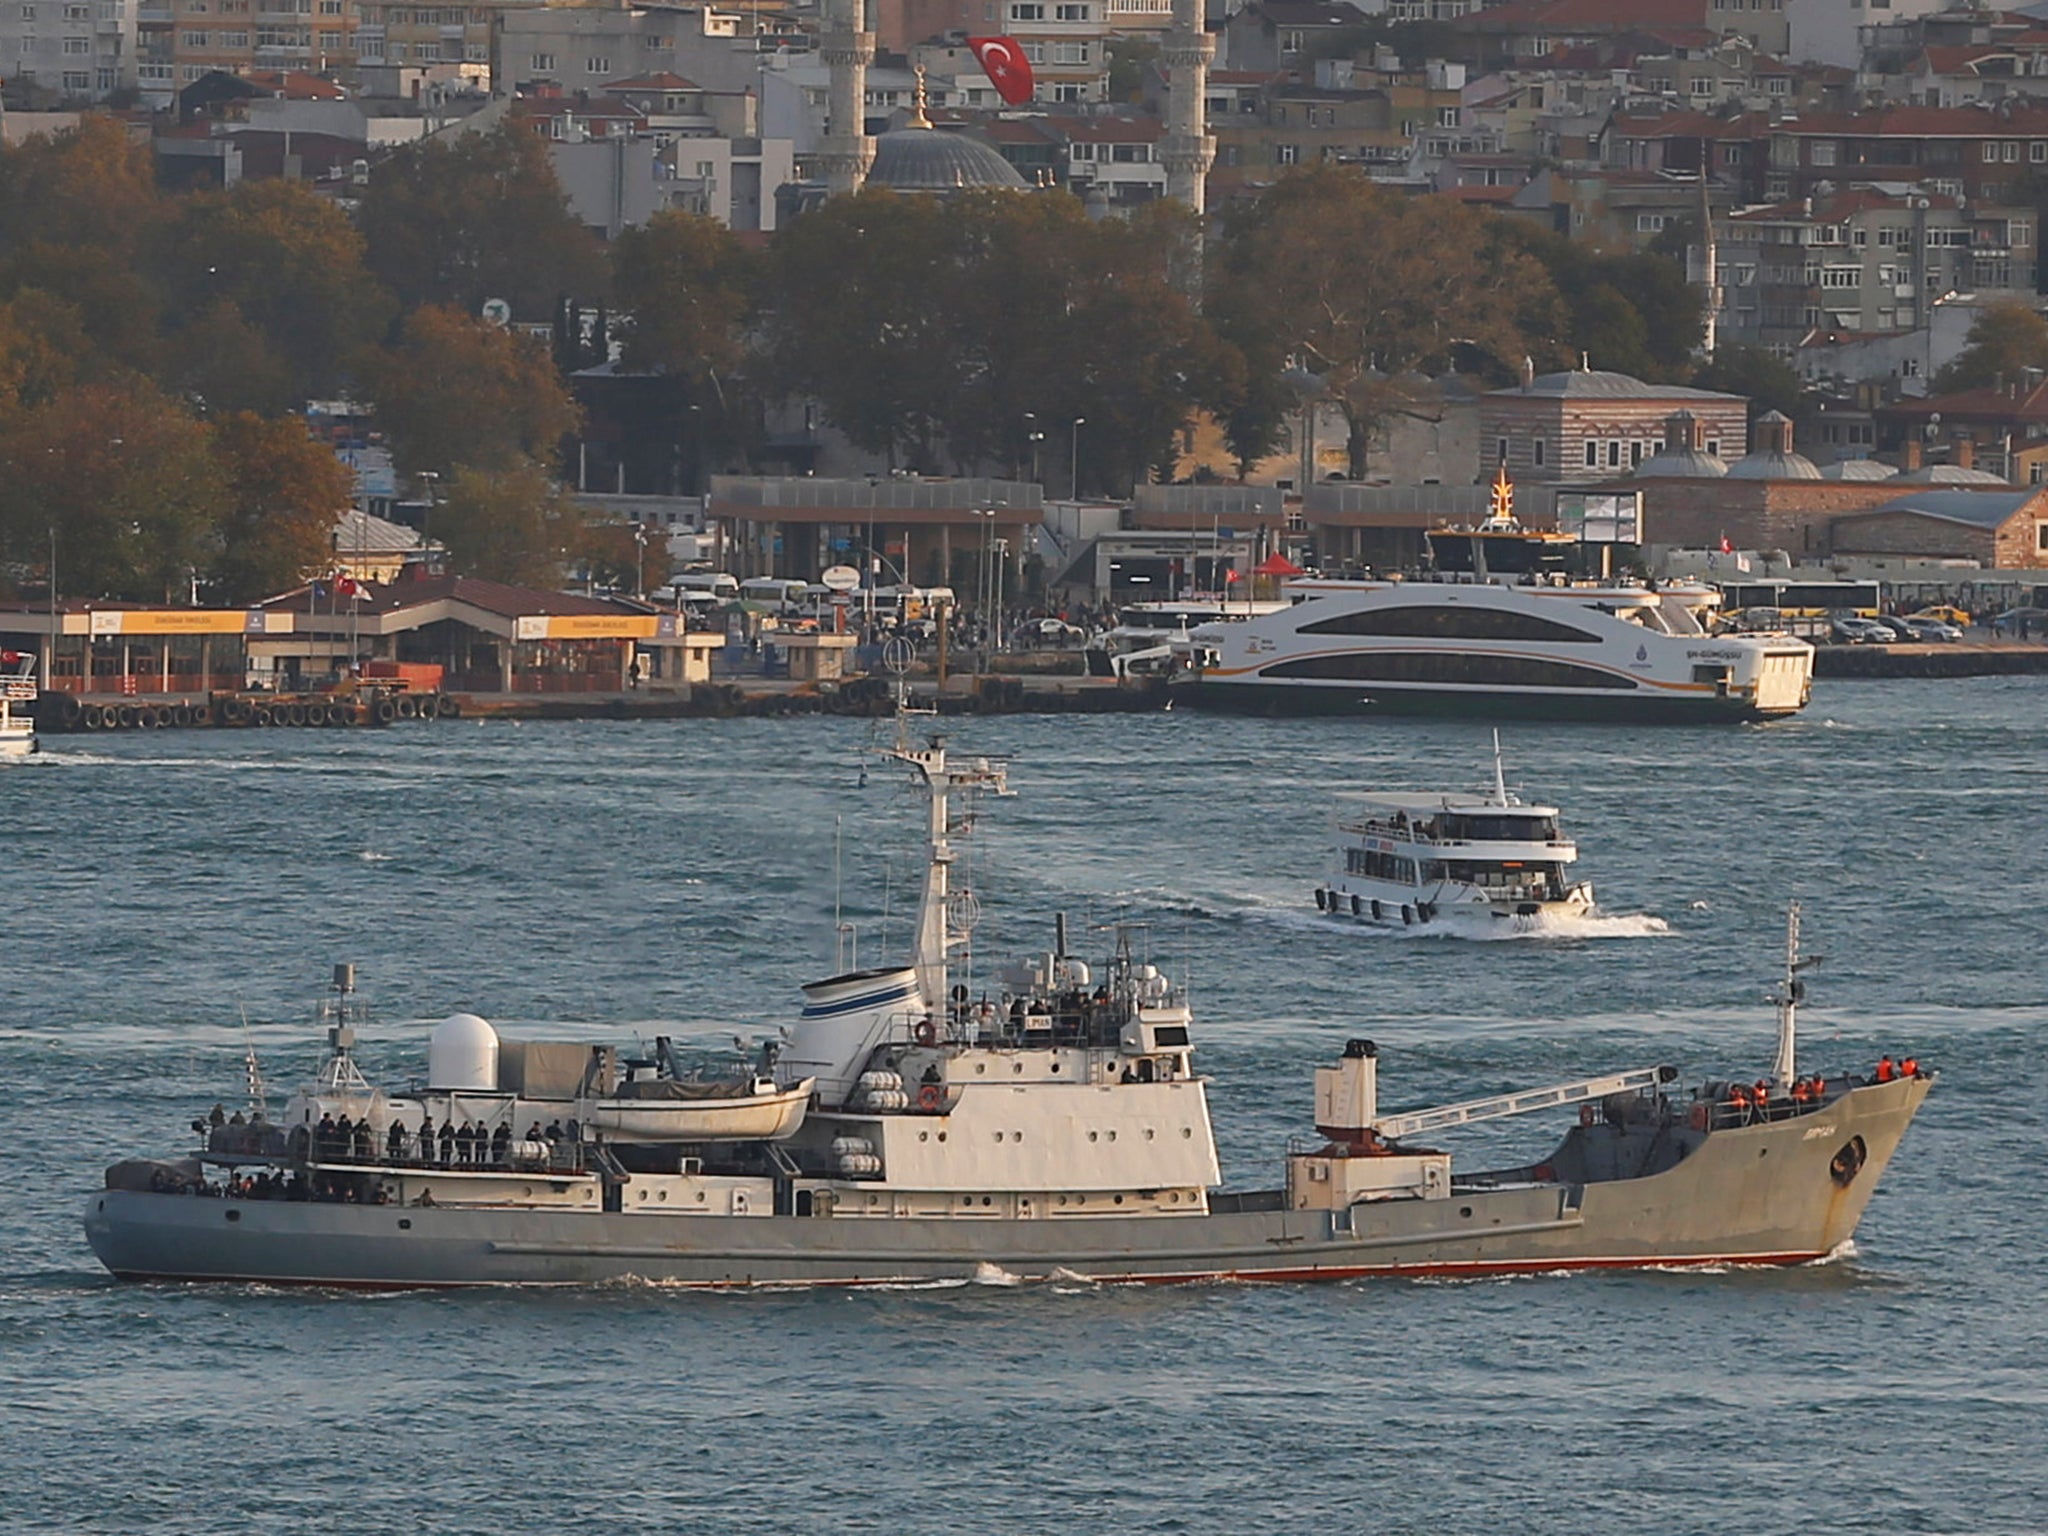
(1419, 1121)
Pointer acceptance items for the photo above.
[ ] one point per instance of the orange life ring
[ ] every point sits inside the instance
(926, 1033)
(1699, 1117)
(929, 1098)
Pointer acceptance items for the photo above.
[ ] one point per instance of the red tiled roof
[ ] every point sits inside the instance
(2012, 403)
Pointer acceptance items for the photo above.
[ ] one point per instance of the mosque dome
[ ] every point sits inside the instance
(920, 158)
(1773, 458)
(914, 159)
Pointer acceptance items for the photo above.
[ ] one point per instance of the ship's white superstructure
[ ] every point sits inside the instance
(17, 704)
(1420, 858)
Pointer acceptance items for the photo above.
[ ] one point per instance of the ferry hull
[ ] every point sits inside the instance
(1638, 708)
(1763, 1194)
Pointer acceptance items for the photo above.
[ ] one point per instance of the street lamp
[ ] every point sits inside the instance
(1034, 437)
(1074, 462)
(981, 578)
(640, 560)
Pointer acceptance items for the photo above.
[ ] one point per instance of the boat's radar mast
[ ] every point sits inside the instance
(341, 1011)
(1790, 994)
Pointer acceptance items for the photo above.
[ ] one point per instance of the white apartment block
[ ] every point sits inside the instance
(75, 50)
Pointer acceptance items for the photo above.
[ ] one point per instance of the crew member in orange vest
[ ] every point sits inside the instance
(1910, 1067)
(1885, 1070)
(1799, 1091)
(1763, 1096)
(1738, 1097)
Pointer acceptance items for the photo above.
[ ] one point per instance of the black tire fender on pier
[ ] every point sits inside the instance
(408, 707)
(1407, 914)
(89, 718)
(262, 715)
(1375, 909)
(124, 715)
(387, 711)
(1322, 899)
(1357, 906)
(430, 706)
(448, 707)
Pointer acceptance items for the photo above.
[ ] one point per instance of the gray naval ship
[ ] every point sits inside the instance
(902, 1131)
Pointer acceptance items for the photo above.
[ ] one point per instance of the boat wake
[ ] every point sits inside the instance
(1555, 929)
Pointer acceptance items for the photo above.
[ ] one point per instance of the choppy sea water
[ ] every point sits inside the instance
(604, 880)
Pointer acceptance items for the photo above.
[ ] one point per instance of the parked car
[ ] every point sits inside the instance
(1900, 629)
(1945, 612)
(1848, 629)
(1049, 633)
(1933, 630)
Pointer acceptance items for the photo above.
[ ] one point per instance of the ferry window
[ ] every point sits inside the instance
(1449, 667)
(1444, 623)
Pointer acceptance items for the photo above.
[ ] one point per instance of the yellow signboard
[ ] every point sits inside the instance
(586, 626)
(183, 621)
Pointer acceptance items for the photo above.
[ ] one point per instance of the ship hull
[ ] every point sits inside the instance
(1639, 708)
(1763, 1194)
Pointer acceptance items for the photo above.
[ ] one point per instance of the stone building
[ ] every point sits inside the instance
(1585, 425)
(2004, 529)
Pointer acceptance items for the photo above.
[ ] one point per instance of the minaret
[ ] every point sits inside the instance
(1188, 150)
(847, 49)
(1710, 311)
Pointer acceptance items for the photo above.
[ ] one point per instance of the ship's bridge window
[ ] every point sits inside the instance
(1449, 623)
(1501, 829)
(1448, 667)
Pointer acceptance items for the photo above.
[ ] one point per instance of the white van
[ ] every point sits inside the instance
(774, 593)
(714, 584)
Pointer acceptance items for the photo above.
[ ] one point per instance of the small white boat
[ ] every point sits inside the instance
(1420, 858)
(17, 704)
(667, 1109)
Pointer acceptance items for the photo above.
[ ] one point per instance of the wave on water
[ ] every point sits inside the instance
(372, 856)
(1549, 928)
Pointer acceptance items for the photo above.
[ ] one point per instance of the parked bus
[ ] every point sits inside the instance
(1804, 599)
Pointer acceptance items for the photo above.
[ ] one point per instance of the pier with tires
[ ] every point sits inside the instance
(67, 712)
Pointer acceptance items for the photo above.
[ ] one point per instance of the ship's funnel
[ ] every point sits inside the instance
(1347, 1095)
(844, 1019)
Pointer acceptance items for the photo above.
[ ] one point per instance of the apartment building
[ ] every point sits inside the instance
(1867, 258)
(69, 51)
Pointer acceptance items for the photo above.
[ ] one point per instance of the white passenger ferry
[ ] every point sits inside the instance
(1419, 858)
(1498, 629)
(17, 704)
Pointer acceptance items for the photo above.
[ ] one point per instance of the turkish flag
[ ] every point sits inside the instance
(1003, 61)
(1727, 547)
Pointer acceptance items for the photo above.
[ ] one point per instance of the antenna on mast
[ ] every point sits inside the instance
(1790, 994)
(258, 1099)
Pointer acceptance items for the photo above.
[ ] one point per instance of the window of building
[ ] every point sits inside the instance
(1714, 447)
(1068, 92)
(1291, 42)
(1841, 277)
(2037, 151)
(1635, 454)
(2012, 152)
(1702, 86)
(198, 40)
(1821, 152)
(1027, 12)
(1990, 152)
(77, 80)
(77, 45)
(1286, 154)
(1070, 13)
(1592, 454)
(2040, 529)
(28, 13)
(1500, 450)
(1070, 53)
(1447, 117)
(1614, 453)
(542, 61)
(2019, 232)
(598, 66)
(1649, 223)
(1084, 151)
(1536, 451)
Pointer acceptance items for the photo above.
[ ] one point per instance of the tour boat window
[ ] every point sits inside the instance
(1446, 623)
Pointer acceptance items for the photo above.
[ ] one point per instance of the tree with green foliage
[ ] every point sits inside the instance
(951, 331)
(514, 525)
(284, 491)
(1769, 383)
(1369, 289)
(461, 392)
(481, 217)
(91, 187)
(125, 478)
(1631, 312)
(2007, 339)
(289, 267)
